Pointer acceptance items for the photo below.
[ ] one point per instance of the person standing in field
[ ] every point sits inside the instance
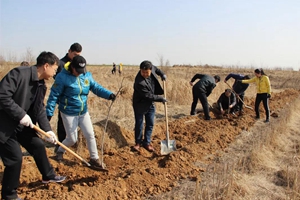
(75, 50)
(147, 90)
(239, 88)
(120, 69)
(22, 93)
(71, 88)
(201, 90)
(114, 69)
(263, 87)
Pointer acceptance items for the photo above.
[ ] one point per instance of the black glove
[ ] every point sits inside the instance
(164, 77)
(49, 118)
(268, 96)
(112, 97)
(239, 81)
(161, 99)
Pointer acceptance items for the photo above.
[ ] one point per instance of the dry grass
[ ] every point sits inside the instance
(262, 164)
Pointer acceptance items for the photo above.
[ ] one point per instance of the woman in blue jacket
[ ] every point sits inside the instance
(70, 89)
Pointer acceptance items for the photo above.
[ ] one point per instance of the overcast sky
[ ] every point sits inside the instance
(258, 33)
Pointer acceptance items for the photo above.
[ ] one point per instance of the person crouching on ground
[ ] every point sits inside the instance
(146, 91)
(22, 93)
(263, 88)
(239, 88)
(226, 103)
(201, 90)
(71, 88)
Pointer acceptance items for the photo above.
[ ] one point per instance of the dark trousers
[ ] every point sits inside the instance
(264, 98)
(61, 132)
(239, 104)
(11, 155)
(203, 99)
(139, 125)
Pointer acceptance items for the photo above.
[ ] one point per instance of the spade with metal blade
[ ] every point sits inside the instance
(167, 146)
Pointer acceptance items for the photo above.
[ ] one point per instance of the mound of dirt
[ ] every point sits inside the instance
(136, 175)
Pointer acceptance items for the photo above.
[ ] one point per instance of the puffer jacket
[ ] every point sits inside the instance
(262, 84)
(71, 92)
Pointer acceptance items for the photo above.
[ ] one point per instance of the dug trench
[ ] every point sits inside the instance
(139, 175)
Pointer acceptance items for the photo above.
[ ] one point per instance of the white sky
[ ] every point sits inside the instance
(258, 33)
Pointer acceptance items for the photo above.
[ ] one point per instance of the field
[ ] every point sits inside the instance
(230, 158)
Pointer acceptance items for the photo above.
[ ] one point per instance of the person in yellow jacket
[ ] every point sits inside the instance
(120, 68)
(263, 88)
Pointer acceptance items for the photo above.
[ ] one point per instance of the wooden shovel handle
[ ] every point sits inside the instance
(62, 145)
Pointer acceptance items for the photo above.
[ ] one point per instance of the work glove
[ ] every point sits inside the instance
(52, 138)
(26, 121)
(112, 97)
(161, 99)
(49, 118)
(268, 96)
(164, 77)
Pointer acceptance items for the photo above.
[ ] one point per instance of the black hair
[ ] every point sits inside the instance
(217, 77)
(76, 47)
(24, 63)
(246, 77)
(146, 65)
(46, 57)
(228, 90)
(259, 71)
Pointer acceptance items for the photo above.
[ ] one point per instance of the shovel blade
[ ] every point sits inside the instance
(167, 147)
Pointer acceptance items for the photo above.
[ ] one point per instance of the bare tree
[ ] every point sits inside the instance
(28, 56)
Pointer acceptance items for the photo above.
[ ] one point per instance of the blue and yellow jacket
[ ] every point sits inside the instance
(71, 93)
(262, 84)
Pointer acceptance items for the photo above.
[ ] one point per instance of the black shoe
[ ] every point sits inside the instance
(207, 118)
(267, 120)
(96, 163)
(56, 179)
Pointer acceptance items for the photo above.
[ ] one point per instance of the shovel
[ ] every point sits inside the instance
(239, 97)
(69, 150)
(167, 146)
(62, 145)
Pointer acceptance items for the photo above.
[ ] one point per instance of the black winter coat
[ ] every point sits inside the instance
(18, 90)
(205, 85)
(144, 94)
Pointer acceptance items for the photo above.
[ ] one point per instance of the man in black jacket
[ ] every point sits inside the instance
(201, 90)
(75, 50)
(226, 102)
(22, 93)
(146, 91)
(239, 88)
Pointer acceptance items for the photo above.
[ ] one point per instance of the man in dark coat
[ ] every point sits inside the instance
(75, 50)
(22, 93)
(239, 88)
(226, 102)
(201, 90)
(146, 91)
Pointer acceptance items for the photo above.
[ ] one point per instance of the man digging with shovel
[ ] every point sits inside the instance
(147, 90)
(22, 93)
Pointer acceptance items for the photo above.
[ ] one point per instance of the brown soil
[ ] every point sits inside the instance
(137, 175)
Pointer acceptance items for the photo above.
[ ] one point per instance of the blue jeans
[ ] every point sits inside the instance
(139, 125)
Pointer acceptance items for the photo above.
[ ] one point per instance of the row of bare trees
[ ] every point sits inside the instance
(10, 57)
